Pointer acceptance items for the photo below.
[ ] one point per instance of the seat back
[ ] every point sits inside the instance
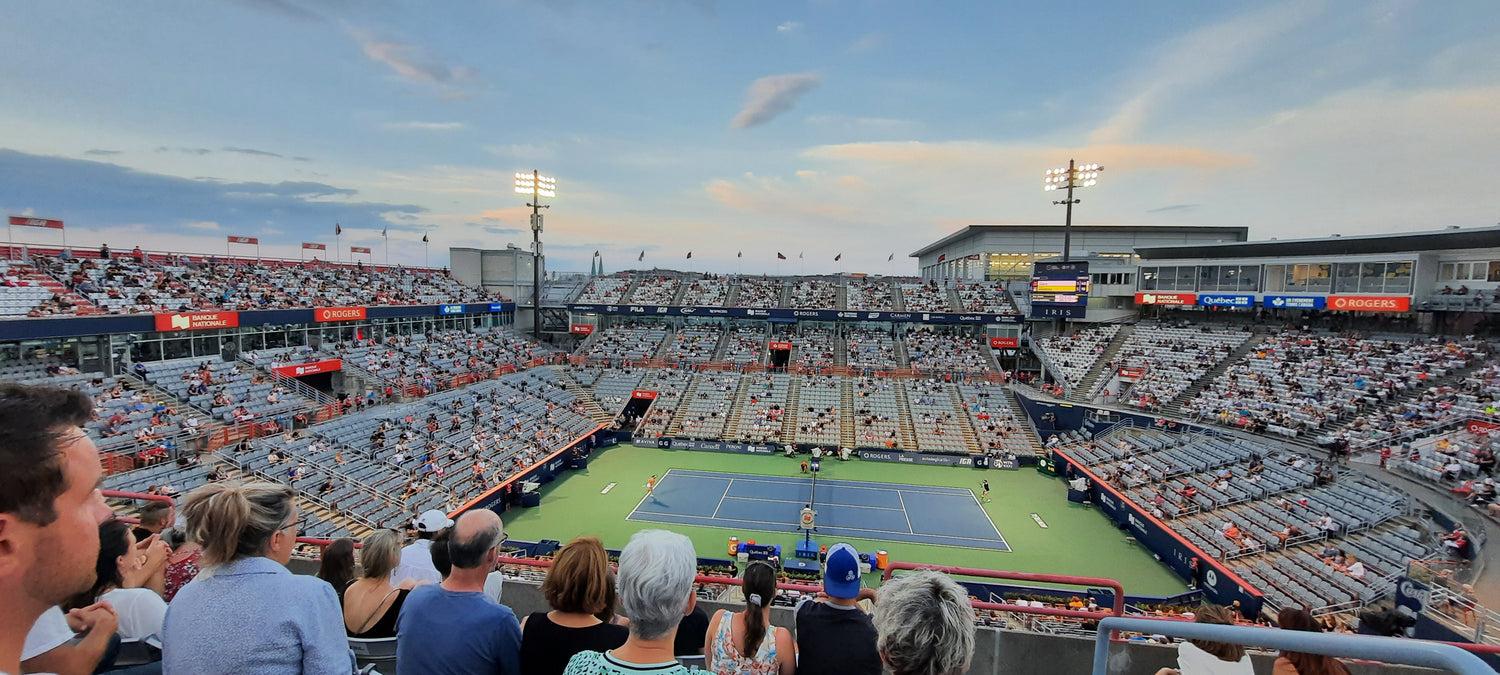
(379, 652)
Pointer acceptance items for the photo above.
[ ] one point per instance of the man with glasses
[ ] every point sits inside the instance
(455, 627)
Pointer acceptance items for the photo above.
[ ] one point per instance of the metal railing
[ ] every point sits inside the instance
(1367, 647)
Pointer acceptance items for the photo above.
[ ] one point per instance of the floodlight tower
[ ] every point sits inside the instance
(538, 186)
(1075, 176)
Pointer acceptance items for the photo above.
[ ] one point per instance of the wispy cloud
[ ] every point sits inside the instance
(424, 126)
(956, 154)
(789, 27)
(521, 151)
(202, 225)
(253, 151)
(1174, 207)
(868, 42)
(770, 96)
(102, 153)
(410, 62)
(863, 123)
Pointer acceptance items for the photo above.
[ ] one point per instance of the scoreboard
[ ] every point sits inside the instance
(1059, 290)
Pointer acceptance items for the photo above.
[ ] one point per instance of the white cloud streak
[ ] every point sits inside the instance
(770, 96)
(424, 126)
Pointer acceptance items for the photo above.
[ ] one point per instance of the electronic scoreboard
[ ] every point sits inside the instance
(1059, 290)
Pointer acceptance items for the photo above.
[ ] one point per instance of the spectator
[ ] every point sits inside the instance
(118, 575)
(184, 563)
(370, 604)
(440, 561)
(248, 532)
(1297, 663)
(155, 516)
(925, 624)
(655, 585)
(416, 558)
(833, 633)
(746, 643)
(453, 627)
(337, 565)
(580, 589)
(50, 510)
(1201, 657)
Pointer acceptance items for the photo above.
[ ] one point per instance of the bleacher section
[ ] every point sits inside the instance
(705, 412)
(931, 350)
(1173, 358)
(864, 294)
(758, 292)
(871, 350)
(694, 344)
(814, 294)
(626, 343)
(1076, 354)
(706, 292)
(745, 345)
(984, 296)
(656, 291)
(820, 411)
(877, 416)
(606, 290)
(925, 297)
(761, 409)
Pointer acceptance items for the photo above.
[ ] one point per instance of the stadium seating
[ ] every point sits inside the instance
(815, 294)
(868, 295)
(708, 291)
(984, 296)
(694, 344)
(926, 297)
(820, 410)
(758, 292)
(871, 350)
(941, 351)
(655, 290)
(1077, 353)
(1173, 358)
(761, 410)
(631, 342)
(606, 290)
(745, 345)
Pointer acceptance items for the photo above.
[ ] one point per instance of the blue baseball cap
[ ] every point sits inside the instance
(841, 572)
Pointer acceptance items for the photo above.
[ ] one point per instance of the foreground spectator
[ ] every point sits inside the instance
(50, 510)
(1202, 657)
(120, 576)
(1297, 663)
(580, 589)
(184, 563)
(371, 605)
(925, 624)
(453, 628)
(746, 642)
(655, 585)
(833, 634)
(248, 532)
(337, 566)
(416, 558)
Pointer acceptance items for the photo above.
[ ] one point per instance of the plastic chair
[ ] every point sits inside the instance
(378, 652)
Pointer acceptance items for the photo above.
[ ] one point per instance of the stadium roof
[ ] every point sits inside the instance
(1408, 242)
(1238, 233)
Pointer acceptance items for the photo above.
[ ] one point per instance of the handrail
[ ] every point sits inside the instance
(138, 495)
(1385, 649)
(1072, 580)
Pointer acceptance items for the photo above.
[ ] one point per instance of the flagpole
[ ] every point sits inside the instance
(387, 237)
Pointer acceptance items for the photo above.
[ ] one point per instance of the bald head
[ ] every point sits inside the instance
(475, 535)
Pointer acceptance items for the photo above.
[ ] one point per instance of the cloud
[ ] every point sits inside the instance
(285, 8)
(202, 225)
(102, 153)
(409, 62)
(1026, 158)
(787, 27)
(423, 126)
(186, 151)
(770, 96)
(868, 42)
(253, 151)
(521, 151)
(863, 123)
(1174, 207)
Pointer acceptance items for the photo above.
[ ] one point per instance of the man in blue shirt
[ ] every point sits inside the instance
(453, 628)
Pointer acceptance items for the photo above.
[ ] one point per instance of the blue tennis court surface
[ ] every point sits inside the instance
(914, 514)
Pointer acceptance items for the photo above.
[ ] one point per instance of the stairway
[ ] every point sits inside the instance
(965, 423)
(635, 282)
(841, 296)
(903, 357)
(675, 426)
(989, 354)
(666, 343)
(840, 352)
(846, 409)
(908, 430)
(1083, 393)
(954, 303)
(1174, 406)
(793, 410)
(596, 413)
(682, 289)
(732, 296)
(736, 405)
(1032, 437)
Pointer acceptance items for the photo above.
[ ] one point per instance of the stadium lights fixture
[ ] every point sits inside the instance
(538, 186)
(1069, 178)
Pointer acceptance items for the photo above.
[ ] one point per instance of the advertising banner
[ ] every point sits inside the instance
(581, 329)
(338, 313)
(802, 314)
(28, 221)
(359, 249)
(1177, 299)
(197, 321)
(243, 240)
(1004, 342)
(450, 309)
(498, 307)
(780, 346)
(916, 457)
(642, 394)
(1370, 303)
(715, 446)
(325, 366)
(1482, 427)
(1213, 300)
(314, 247)
(1294, 301)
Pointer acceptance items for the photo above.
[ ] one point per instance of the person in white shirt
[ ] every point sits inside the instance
(416, 558)
(1355, 569)
(122, 574)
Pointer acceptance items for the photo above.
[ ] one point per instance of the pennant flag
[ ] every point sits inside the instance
(690, 255)
(642, 256)
(942, 257)
(779, 256)
(359, 249)
(243, 240)
(314, 247)
(799, 256)
(892, 257)
(741, 254)
(596, 254)
(424, 238)
(838, 257)
(383, 231)
(337, 230)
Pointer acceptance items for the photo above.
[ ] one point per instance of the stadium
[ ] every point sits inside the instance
(300, 371)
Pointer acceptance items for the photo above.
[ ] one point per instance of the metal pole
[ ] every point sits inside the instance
(1068, 222)
(536, 260)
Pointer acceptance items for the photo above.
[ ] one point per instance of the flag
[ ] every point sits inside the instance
(383, 231)
(690, 255)
(741, 254)
(424, 238)
(337, 230)
(799, 256)
(642, 256)
(838, 257)
(596, 254)
(892, 257)
(779, 256)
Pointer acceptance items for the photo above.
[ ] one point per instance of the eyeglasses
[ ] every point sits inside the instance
(295, 526)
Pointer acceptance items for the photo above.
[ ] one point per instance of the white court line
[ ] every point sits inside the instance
(720, 524)
(721, 498)
(792, 501)
(909, 528)
(664, 475)
(835, 482)
(987, 519)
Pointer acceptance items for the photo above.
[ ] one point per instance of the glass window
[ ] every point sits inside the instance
(1319, 277)
(1208, 278)
(1372, 278)
(1275, 278)
(1296, 277)
(1149, 277)
(1494, 274)
(1346, 278)
(1445, 271)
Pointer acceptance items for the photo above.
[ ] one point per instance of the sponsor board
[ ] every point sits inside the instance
(1176, 299)
(197, 320)
(1482, 427)
(800, 314)
(359, 249)
(581, 329)
(314, 247)
(1210, 300)
(450, 309)
(916, 457)
(28, 221)
(642, 394)
(1370, 303)
(1294, 301)
(715, 446)
(1004, 342)
(244, 240)
(1132, 372)
(499, 307)
(338, 313)
(780, 346)
(325, 366)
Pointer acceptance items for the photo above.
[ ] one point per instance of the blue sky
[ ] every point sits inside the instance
(824, 127)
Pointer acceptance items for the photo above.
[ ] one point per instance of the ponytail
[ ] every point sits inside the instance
(760, 589)
(233, 520)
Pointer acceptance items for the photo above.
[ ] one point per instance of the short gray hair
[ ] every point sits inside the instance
(925, 624)
(469, 553)
(655, 582)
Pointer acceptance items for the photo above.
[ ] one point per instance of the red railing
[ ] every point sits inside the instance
(1118, 609)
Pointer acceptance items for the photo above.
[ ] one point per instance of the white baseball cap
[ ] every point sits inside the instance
(432, 521)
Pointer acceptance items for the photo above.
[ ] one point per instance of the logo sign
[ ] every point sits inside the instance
(1370, 303)
(1210, 578)
(313, 368)
(642, 394)
(581, 329)
(1179, 299)
(27, 221)
(780, 346)
(1295, 301)
(338, 313)
(1004, 342)
(197, 321)
(1059, 290)
(1132, 372)
(244, 240)
(1226, 300)
(1480, 427)
(450, 309)
(497, 307)
(359, 249)
(314, 247)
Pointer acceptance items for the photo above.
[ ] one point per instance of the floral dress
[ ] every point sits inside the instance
(727, 659)
(181, 572)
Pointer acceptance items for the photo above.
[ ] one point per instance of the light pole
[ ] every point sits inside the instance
(1075, 176)
(538, 186)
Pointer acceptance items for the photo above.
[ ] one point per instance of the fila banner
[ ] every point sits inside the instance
(28, 221)
(197, 321)
(1370, 303)
(244, 240)
(338, 313)
(325, 366)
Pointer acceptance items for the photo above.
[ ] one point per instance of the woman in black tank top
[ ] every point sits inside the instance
(580, 588)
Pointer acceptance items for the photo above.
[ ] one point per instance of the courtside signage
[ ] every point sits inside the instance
(1180, 299)
(450, 309)
(581, 329)
(1294, 301)
(197, 321)
(648, 395)
(1370, 303)
(338, 313)
(1226, 300)
(1004, 342)
(313, 368)
(779, 346)
(799, 314)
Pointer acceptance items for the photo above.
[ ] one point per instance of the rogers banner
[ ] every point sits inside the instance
(1370, 303)
(27, 221)
(782, 346)
(1166, 299)
(581, 329)
(359, 249)
(315, 247)
(197, 321)
(338, 313)
(313, 368)
(1132, 372)
(639, 393)
(1004, 343)
(244, 240)
(1482, 427)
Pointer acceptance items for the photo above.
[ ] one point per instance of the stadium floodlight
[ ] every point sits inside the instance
(538, 186)
(1070, 177)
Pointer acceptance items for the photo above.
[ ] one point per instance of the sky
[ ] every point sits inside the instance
(736, 130)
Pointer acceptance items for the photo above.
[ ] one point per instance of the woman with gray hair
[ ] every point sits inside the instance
(655, 590)
(925, 625)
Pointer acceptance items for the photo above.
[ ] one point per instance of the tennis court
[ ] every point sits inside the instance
(916, 514)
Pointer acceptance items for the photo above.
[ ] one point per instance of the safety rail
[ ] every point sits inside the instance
(1445, 656)
(1071, 580)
